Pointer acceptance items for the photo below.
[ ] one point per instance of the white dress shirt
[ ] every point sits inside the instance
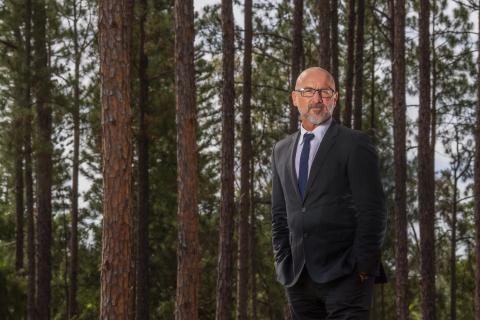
(319, 133)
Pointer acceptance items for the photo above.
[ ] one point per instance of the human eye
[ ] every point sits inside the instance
(308, 91)
(326, 93)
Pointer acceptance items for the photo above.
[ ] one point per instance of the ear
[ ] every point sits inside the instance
(336, 97)
(294, 98)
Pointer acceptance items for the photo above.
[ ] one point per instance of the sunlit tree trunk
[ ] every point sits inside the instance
(188, 251)
(117, 270)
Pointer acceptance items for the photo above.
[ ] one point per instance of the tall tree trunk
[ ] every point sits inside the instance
(359, 43)
(225, 244)
(399, 128)
(117, 271)
(425, 171)
(142, 252)
(453, 239)
(372, 82)
(43, 160)
(27, 141)
(334, 46)
(188, 252)
(347, 112)
(246, 154)
(252, 243)
(73, 270)
(324, 47)
(477, 186)
(297, 57)
(434, 87)
(19, 186)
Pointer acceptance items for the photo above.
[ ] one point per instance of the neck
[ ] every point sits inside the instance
(309, 126)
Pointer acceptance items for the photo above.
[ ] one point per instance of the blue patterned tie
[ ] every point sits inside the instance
(303, 171)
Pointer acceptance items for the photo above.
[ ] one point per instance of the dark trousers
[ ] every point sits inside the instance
(341, 299)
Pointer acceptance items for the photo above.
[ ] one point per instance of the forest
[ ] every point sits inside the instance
(136, 143)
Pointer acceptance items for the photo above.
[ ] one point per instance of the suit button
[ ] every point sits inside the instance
(304, 209)
(305, 235)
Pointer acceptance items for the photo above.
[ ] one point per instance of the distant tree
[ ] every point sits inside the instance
(245, 181)
(297, 57)
(143, 206)
(425, 170)
(225, 243)
(17, 130)
(477, 185)
(324, 11)
(358, 80)
(399, 128)
(347, 112)
(335, 52)
(43, 161)
(27, 145)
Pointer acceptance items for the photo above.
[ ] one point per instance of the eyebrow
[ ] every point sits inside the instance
(318, 89)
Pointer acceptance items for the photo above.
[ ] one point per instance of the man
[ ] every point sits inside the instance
(328, 209)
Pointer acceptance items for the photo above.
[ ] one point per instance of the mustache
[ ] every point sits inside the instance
(317, 105)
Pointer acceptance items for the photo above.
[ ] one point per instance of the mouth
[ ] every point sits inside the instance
(317, 106)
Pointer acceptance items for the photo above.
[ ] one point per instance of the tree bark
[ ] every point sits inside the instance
(324, 30)
(372, 130)
(117, 270)
(142, 252)
(347, 112)
(453, 238)
(334, 46)
(297, 56)
(225, 244)
(477, 186)
(399, 132)
(246, 154)
(359, 43)
(27, 141)
(252, 243)
(186, 305)
(425, 171)
(73, 270)
(19, 187)
(43, 160)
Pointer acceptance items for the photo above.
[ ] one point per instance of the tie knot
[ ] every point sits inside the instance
(307, 137)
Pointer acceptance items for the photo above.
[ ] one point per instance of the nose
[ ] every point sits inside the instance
(316, 97)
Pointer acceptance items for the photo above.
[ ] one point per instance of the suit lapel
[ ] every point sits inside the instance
(322, 152)
(291, 164)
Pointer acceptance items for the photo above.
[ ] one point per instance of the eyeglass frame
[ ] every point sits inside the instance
(302, 91)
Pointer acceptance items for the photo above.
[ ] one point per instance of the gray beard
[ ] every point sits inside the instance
(315, 121)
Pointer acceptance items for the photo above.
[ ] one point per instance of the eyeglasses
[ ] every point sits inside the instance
(310, 92)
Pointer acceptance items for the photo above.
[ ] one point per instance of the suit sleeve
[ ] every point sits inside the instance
(369, 200)
(280, 231)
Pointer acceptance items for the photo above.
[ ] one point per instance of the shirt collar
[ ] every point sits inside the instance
(319, 131)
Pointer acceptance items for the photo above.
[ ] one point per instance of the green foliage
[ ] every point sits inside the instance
(453, 45)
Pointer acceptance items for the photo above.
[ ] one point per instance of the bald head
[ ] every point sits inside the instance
(313, 74)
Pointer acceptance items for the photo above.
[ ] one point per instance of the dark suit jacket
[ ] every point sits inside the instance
(339, 226)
